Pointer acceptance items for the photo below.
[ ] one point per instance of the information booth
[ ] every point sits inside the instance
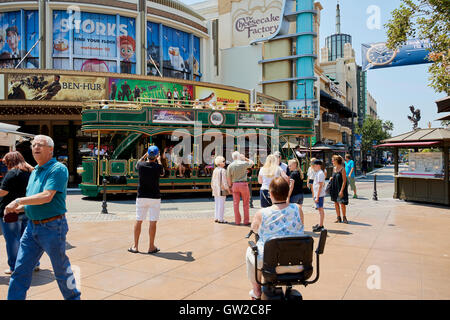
(423, 172)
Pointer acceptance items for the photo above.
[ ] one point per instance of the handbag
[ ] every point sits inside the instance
(328, 188)
(223, 193)
(10, 217)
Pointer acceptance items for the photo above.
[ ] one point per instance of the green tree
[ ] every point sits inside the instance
(425, 19)
(373, 130)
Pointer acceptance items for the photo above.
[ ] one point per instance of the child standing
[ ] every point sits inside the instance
(311, 173)
(319, 193)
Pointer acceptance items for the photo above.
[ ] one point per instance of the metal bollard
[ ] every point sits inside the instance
(104, 204)
(375, 196)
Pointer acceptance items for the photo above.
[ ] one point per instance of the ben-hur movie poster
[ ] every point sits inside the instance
(55, 87)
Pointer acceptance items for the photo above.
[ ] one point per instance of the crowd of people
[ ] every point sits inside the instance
(33, 206)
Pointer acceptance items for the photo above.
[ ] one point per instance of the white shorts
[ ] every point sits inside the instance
(150, 206)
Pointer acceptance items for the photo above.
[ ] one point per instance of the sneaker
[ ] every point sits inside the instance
(316, 226)
(345, 220)
(355, 196)
(8, 271)
(338, 220)
(253, 295)
(318, 229)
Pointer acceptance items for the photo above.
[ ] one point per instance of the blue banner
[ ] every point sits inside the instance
(19, 31)
(377, 55)
(94, 42)
(358, 141)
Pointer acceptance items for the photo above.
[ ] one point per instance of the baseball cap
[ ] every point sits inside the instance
(153, 151)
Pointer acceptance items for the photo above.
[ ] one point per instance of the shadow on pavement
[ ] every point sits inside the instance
(354, 223)
(182, 256)
(69, 246)
(342, 232)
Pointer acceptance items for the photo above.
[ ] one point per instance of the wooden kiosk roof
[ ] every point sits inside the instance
(436, 135)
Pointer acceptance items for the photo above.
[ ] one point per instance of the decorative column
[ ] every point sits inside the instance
(143, 35)
(42, 33)
(305, 49)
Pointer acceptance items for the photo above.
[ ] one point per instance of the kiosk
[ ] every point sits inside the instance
(424, 176)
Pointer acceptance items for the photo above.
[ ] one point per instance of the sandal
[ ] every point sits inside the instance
(132, 250)
(154, 251)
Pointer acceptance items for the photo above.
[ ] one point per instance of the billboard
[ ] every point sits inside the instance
(377, 55)
(94, 42)
(256, 119)
(253, 20)
(132, 89)
(173, 116)
(176, 53)
(206, 94)
(55, 87)
(19, 31)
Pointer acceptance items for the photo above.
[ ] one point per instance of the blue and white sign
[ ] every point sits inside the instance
(94, 42)
(358, 141)
(377, 55)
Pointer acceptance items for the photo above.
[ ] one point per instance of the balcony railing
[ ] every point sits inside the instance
(334, 117)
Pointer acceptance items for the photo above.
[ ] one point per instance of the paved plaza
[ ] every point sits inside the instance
(408, 243)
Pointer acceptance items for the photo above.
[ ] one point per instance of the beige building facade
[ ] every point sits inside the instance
(371, 110)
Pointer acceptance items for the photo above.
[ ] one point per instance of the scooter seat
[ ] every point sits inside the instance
(289, 269)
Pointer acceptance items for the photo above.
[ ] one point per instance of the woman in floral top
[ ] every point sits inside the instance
(278, 221)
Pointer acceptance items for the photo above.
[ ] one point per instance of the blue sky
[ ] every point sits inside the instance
(394, 89)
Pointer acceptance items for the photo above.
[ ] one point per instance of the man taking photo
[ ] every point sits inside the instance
(148, 201)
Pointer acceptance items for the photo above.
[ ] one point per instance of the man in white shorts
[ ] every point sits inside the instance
(148, 201)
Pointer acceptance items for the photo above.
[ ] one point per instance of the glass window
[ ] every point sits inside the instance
(196, 59)
(176, 53)
(94, 42)
(19, 31)
(153, 48)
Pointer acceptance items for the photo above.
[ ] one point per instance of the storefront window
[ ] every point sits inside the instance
(196, 60)
(153, 49)
(94, 42)
(177, 53)
(19, 31)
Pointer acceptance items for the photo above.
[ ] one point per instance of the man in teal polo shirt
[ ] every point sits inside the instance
(45, 207)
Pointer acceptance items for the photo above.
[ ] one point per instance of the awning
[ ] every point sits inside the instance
(408, 144)
(444, 118)
(443, 104)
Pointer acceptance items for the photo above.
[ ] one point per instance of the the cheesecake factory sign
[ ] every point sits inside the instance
(254, 19)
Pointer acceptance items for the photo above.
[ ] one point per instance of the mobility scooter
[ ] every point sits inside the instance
(287, 262)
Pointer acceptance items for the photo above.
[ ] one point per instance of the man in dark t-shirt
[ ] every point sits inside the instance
(148, 201)
(13, 186)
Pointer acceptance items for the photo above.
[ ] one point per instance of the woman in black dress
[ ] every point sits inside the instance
(338, 189)
(14, 186)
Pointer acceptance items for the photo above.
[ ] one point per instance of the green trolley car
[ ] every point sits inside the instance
(121, 132)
